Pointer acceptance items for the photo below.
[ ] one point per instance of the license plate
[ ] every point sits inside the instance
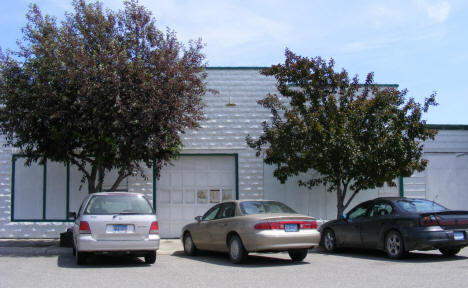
(290, 227)
(120, 228)
(458, 235)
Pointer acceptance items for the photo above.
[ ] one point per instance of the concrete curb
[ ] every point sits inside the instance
(50, 247)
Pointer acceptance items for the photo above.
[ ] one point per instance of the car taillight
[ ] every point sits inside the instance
(84, 228)
(262, 226)
(430, 220)
(154, 228)
(308, 225)
(280, 225)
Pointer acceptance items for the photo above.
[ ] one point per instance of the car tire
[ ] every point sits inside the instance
(329, 241)
(150, 257)
(237, 252)
(74, 251)
(189, 246)
(394, 246)
(81, 257)
(449, 251)
(298, 254)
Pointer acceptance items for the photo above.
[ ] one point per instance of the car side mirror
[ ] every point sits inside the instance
(198, 218)
(72, 215)
(344, 217)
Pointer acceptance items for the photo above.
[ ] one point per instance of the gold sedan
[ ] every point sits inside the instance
(240, 227)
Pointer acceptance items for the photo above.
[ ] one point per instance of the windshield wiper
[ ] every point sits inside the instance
(127, 213)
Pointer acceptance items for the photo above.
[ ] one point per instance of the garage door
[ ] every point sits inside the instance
(190, 187)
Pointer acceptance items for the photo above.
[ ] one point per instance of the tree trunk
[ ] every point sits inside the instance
(339, 200)
(92, 180)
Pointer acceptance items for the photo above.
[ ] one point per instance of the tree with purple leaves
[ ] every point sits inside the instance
(102, 90)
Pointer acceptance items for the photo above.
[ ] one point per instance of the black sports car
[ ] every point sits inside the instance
(398, 225)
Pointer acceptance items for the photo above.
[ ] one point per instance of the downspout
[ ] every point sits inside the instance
(402, 189)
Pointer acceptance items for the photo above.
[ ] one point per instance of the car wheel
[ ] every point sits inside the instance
(329, 241)
(150, 258)
(237, 252)
(298, 255)
(189, 246)
(449, 251)
(81, 257)
(394, 246)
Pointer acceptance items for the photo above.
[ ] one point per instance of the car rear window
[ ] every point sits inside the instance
(118, 204)
(262, 207)
(419, 206)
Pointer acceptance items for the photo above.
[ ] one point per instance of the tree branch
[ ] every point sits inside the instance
(119, 179)
(351, 198)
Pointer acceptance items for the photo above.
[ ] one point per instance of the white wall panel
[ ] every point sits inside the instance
(56, 190)
(78, 189)
(28, 191)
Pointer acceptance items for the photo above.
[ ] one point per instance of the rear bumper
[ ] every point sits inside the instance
(433, 238)
(86, 243)
(279, 240)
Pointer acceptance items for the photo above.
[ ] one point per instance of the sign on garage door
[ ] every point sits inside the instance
(190, 187)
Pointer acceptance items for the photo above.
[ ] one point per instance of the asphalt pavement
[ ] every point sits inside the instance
(44, 264)
(25, 247)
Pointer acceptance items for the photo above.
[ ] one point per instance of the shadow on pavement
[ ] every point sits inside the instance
(101, 261)
(252, 261)
(412, 257)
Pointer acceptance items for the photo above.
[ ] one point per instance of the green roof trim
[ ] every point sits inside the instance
(382, 85)
(448, 126)
(236, 68)
(265, 67)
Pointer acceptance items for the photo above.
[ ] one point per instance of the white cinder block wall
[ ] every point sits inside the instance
(225, 130)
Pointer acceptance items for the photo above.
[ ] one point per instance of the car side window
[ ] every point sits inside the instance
(380, 209)
(227, 210)
(211, 214)
(358, 212)
(81, 210)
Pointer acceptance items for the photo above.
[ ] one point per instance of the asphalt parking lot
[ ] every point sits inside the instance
(52, 266)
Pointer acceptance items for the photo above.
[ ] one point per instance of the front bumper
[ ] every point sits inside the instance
(86, 243)
(279, 240)
(433, 238)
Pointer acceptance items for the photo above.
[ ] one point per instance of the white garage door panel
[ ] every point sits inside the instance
(190, 187)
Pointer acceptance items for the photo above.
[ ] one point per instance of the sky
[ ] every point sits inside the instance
(421, 45)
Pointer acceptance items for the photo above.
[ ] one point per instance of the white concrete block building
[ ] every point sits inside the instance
(216, 164)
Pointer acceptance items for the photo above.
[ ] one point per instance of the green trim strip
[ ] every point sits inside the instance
(68, 192)
(236, 156)
(154, 185)
(12, 206)
(44, 191)
(36, 220)
(447, 126)
(402, 188)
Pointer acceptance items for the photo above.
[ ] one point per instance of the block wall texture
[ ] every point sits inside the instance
(223, 131)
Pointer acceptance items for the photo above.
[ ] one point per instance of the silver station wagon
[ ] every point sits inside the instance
(240, 227)
(117, 223)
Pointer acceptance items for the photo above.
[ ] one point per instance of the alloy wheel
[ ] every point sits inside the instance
(329, 241)
(394, 245)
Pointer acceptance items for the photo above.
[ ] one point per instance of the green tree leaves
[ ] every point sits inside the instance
(357, 136)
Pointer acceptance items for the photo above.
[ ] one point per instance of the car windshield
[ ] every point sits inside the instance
(419, 206)
(118, 204)
(262, 207)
